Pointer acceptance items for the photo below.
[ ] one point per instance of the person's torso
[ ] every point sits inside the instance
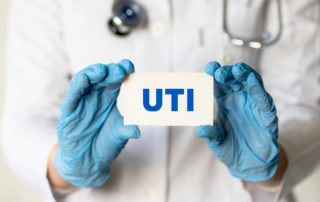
(167, 163)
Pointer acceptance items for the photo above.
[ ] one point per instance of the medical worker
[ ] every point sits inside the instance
(66, 136)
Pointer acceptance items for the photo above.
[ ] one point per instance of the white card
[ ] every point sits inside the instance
(168, 99)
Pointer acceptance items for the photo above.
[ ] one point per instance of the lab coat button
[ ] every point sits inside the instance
(226, 58)
(154, 193)
(158, 28)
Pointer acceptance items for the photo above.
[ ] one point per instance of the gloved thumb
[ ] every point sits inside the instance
(114, 135)
(119, 129)
(215, 134)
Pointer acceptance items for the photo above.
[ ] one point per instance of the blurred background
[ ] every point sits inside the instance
(13, 189)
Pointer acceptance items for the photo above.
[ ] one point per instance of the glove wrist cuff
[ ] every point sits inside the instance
(71, 171)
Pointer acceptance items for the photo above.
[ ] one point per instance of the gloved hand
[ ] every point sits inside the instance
(244, 134)
(90, 129)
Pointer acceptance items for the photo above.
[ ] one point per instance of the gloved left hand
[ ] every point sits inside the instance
(244, 135)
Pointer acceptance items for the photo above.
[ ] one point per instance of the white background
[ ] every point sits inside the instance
(12, 189)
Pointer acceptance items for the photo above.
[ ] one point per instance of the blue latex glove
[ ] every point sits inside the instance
(244, 135)
(90, 129)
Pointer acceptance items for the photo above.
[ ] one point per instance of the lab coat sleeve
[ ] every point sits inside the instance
(291, 72)
(36, 80)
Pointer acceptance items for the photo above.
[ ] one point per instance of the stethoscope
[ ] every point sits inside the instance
(128, 15)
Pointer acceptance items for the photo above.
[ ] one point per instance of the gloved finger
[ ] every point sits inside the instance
(226, 82)
(240, 72)
(127, 65)
(117, 73)
(95, 73)
(115, 76)
(211, 67)
(258, 94)
(215, 134)
(111, 84)
(210, 70)
(80, 84)
(220, 89)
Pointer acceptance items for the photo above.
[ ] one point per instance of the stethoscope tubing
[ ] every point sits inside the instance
(255, 43)
(119, 27)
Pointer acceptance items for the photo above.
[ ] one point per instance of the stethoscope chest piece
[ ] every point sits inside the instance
(126, 16)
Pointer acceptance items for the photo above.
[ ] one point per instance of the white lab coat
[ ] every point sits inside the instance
(51, 40)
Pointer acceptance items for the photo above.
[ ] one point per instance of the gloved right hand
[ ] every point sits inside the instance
(90, 129)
